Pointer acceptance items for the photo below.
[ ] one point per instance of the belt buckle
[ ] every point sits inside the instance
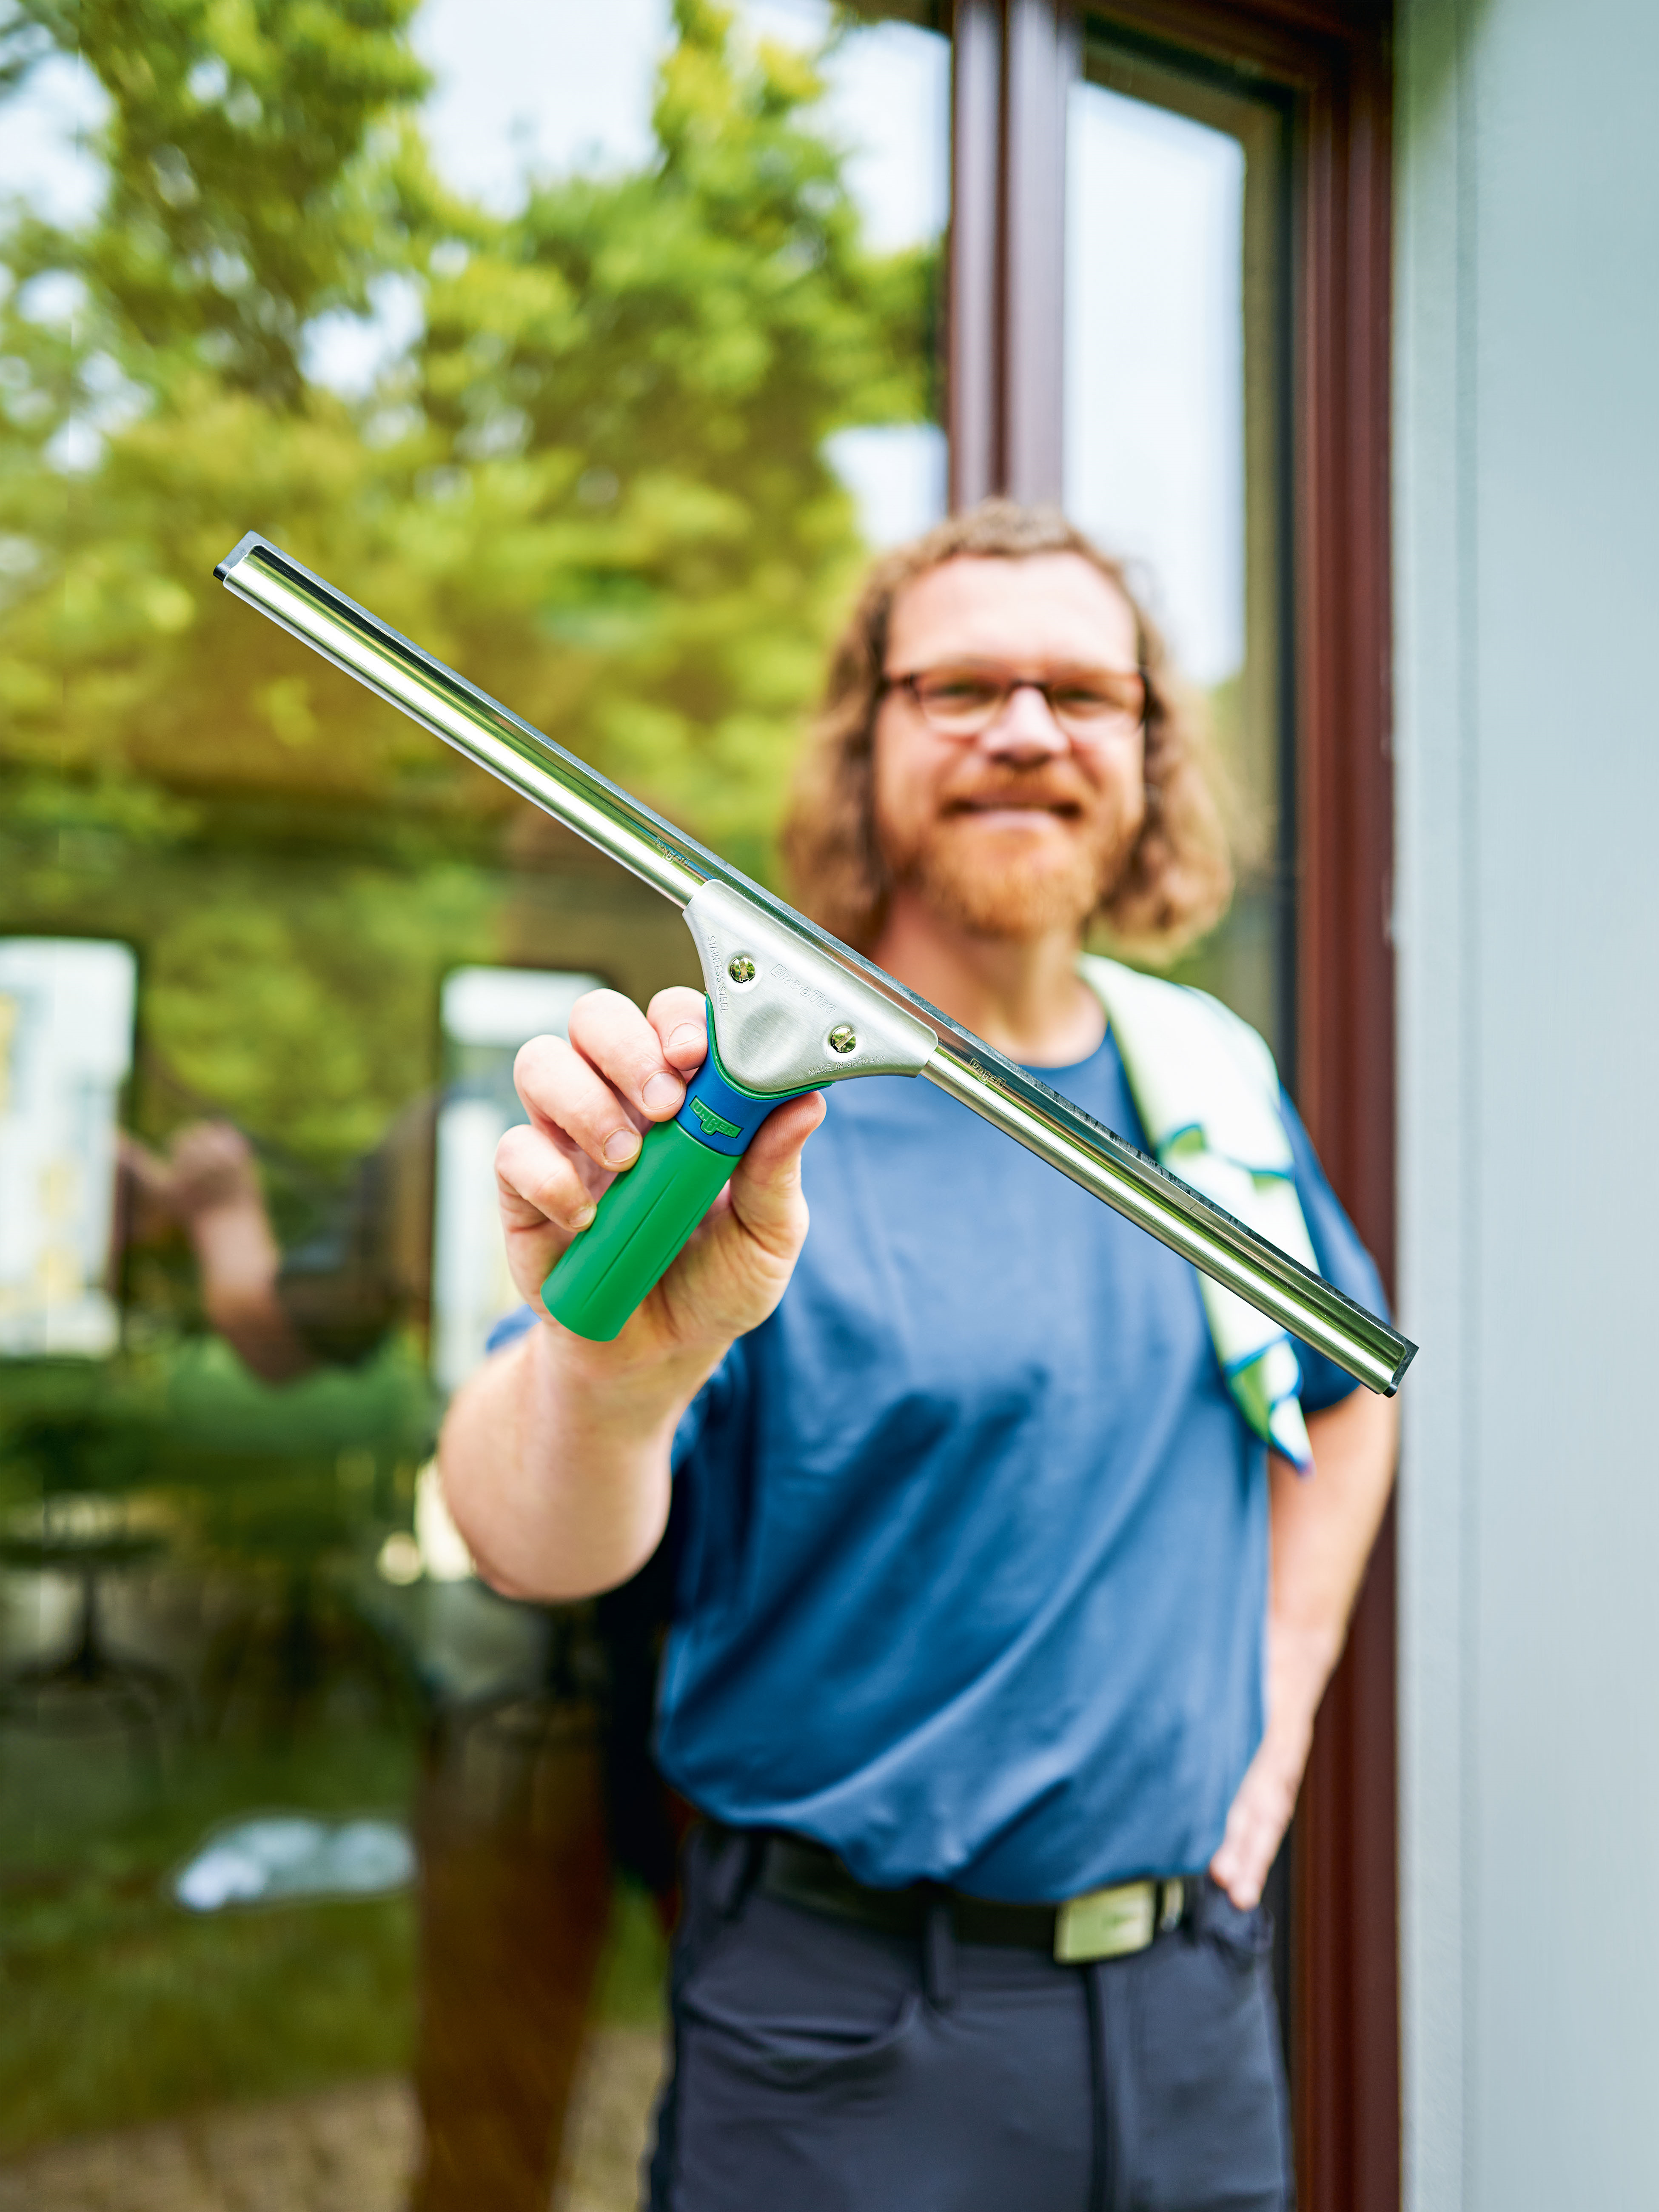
(1109, 1924)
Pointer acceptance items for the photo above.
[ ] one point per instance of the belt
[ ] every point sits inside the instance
(1102, 1923)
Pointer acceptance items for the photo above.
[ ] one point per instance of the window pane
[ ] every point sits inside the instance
(1155, 413)
(487, 1014)
(65, 1052)
(602, 359)
(1174, 407)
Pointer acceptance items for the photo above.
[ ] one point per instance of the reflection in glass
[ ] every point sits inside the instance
(1155, 400)
(1175, 444)
(487, 1014)
(1177, 397)
(66, 1008)
(575, 405)
(545, 91)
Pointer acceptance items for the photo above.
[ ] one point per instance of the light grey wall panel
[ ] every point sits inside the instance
(1528, 487)
(1435, 939)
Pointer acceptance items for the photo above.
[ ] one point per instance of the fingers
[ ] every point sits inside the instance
(1256, 1821)
(680, 1018)
(217, 1143)
(626, 1050)
(1241, 1865)
(566, 1098)
(590, 1099)
(540, 1181)
(548, 1194)
(149, 1169)
(621, 1071)
(213, 1166)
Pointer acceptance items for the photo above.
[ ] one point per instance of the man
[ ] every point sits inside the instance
(968, 1664)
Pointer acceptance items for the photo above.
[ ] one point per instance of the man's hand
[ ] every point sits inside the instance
(555, 1455)
(211, 1171)
(1322, 1527)
(1298, 1670)
(589, 1102)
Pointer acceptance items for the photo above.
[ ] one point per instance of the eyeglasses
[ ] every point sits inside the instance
(1091, 706)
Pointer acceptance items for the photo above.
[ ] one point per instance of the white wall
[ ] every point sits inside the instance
(1528, 705)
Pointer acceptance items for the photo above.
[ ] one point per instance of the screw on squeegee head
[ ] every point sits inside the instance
(779, 1025)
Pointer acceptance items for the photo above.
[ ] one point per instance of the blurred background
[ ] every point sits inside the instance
(595, 350)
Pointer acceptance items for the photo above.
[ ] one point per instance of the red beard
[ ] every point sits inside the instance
(1013, 884)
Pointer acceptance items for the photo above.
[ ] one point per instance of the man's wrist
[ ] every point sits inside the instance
(1300, 1659)
(610, 1390)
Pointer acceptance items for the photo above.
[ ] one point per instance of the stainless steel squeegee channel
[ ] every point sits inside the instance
(466, 717)
(675, 865)
(1173, 1212)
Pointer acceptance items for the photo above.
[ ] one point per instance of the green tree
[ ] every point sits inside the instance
(595, 482)
(245, 194)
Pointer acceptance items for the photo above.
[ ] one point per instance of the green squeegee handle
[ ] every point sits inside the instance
(647, 1214)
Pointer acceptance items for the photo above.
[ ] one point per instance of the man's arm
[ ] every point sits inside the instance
(555, 1457)
(1322, 1527)
(210, 1188)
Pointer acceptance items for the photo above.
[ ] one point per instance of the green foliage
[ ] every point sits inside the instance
(594, 483)
(597, 481)
(63, 1428)
(309, 997)
(115, 2006)
(643, 373)
(245, 194)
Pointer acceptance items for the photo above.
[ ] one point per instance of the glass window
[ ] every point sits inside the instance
(603, 357)
(1175, 370)
(1177, 458)
(66, 1008)
(486, 1015)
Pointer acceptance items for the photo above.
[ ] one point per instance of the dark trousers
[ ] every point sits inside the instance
(823, 2066)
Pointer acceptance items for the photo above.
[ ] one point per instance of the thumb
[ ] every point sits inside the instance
(766, 1194)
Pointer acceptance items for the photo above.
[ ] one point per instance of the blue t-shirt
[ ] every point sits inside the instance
(971, 1540)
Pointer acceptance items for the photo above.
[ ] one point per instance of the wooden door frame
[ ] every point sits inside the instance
(1014, 59)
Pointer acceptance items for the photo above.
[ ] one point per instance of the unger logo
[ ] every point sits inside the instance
(713, 1124)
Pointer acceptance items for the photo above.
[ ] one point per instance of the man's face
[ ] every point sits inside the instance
(1019, 830)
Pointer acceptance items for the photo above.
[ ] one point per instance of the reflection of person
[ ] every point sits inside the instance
(975, 1542)
(208, 1185)
(514, 1876)
(330, 1301)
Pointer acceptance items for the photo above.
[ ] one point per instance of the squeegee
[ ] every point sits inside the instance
(790, 1009)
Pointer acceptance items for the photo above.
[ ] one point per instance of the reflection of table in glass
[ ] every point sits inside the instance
(90, 1687)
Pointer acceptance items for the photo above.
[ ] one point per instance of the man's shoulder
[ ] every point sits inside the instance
(1193, 1063)
(1183, 1007)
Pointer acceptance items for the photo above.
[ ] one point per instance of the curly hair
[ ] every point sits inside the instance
(1177, 877)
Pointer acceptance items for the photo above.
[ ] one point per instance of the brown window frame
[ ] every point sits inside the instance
(1014, 60)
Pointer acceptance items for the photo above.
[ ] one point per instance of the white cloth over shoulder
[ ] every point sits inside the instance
(1207, 1089)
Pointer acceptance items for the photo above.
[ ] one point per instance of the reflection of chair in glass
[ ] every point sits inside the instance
(288, 1449)
(294, 1640)
(90, 1687)
(288, 1454)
